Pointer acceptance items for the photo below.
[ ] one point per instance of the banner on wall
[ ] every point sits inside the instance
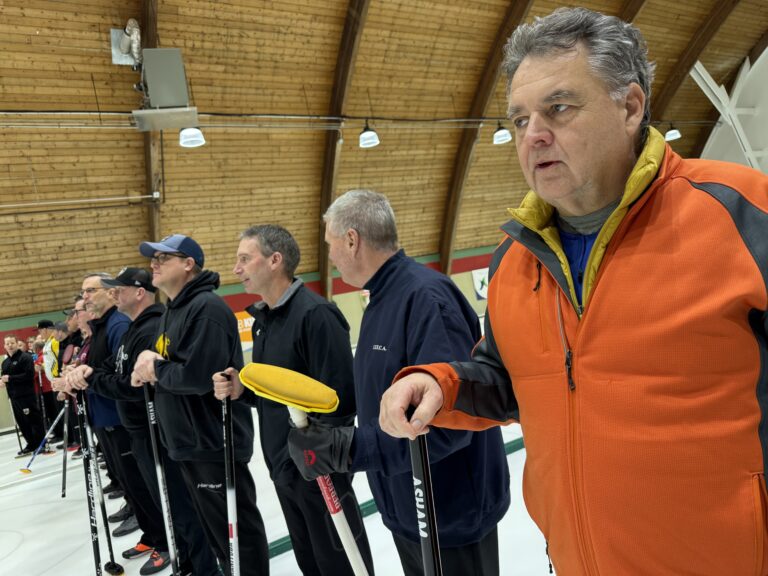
(244, 323)
(480, 282)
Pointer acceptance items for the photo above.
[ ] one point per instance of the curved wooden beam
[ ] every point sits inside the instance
(691, 54)
(631, 9)
(357, 13)
(483, 95)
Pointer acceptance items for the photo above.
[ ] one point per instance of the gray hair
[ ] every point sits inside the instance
(102, 275)
(273, 238)
(617, 50)
(366, 212)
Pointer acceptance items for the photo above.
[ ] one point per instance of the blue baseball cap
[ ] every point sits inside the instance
(174, 243)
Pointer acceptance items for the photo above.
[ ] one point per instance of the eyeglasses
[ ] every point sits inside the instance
(92, 290)
(163, 257)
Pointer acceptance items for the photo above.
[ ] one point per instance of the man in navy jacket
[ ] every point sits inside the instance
(415, 315)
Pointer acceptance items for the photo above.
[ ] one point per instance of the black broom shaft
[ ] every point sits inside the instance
(161, 483)
(99, 491)
(425, 506)
(65, 443)
(89, 487)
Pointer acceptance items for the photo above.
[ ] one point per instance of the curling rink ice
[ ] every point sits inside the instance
(42, 534)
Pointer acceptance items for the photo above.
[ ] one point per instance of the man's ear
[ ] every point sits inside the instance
(276, 259)
(635, 108)
(352, 239)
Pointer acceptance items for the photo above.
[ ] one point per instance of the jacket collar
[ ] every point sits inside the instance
(261, 307)
(536, 215)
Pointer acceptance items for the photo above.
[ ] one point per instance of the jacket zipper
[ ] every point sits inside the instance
(581, 530)
(566, 348)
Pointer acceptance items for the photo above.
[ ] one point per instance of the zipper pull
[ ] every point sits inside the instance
(538, 280)
(568, 366)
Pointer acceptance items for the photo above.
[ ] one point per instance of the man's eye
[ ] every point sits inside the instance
(560, 107)
(520, 122)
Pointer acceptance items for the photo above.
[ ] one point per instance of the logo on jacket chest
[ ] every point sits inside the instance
(162, 344)
(122, 358)
(379, 348)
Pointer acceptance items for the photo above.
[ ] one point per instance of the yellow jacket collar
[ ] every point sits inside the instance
(536, 214)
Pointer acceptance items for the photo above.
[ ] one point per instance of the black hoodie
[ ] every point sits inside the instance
(113, 378)
(20, 370)
(198, 337)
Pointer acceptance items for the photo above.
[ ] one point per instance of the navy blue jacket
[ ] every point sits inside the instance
(107, 331)
(418, 316)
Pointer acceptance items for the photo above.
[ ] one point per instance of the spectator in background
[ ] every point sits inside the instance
(19, 381)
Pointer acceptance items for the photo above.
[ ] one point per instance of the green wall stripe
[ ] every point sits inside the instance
(369, 507)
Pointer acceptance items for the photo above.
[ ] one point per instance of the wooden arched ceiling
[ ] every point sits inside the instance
(74, 187)
(486, 85)
(345, 66)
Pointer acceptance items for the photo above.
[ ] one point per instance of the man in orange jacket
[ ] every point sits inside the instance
(626, 324)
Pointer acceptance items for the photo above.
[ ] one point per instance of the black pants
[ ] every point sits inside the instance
(52, 409)
(117, 446)
(316, 543)
(207, 487)
(28, 419)
(190, 539)
(479, 559)
(73, 430)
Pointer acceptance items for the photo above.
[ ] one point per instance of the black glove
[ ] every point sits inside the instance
(320, 449)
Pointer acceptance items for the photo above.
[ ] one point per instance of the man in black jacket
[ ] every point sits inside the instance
(199, 336)
(136, 299)
(295, 328)
(19, 380)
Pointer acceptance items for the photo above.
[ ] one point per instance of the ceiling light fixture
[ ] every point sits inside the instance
(368, 137)
(502, 135)
(672, 134)
(191, 138)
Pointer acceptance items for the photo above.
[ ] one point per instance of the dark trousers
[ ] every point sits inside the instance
(52, 409)
(478, 559)
(28, 419)
(117, 447)
(191, 541)
(73, 430)
(316, 543)
(207, 487)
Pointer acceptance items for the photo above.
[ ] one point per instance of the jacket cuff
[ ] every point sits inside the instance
(448, 381)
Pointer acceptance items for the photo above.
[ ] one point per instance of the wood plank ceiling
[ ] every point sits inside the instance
(269, 79)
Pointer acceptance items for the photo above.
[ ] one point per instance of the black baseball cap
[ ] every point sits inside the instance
(174, 243)
(138, 277)
(44, 324)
